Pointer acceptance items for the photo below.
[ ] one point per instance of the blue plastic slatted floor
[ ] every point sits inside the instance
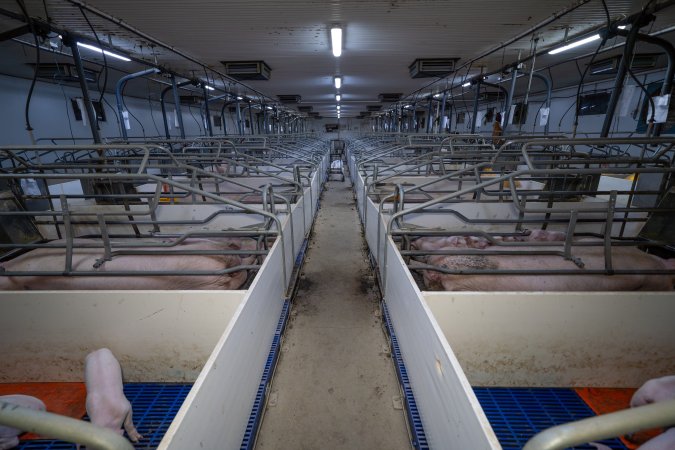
(154, 405)
(517, 414)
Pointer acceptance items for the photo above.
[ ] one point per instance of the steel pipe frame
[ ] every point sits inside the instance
(118, 95)
(655, 415)
(88, 105)
(62, 427)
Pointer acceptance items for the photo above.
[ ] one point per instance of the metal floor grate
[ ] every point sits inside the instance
(154, 405)
(517, 414)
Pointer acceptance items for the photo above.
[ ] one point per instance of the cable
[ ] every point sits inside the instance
(152, 116)
(67, 101)
(581, 83)
(105, 60)
(31, 25)
(126, 108)
(195, 119)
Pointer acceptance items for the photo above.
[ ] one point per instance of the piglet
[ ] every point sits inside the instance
(9, 437)
(654, 391)
(106, 404)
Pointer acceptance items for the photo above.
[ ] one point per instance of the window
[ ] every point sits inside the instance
(591, 104)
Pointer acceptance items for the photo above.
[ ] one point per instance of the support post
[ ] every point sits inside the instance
(206, 110)
(475, 107)
(88, 105)
(509, 98)
(627, 56)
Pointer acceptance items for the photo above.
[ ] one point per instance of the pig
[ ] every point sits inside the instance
(9, 437)
(106, 404)
(654, 391)
(52, 259)
(592, 257)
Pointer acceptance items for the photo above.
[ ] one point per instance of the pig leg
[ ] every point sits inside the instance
(665, 441)
(129, 427)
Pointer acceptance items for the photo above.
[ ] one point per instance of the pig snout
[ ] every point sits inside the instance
(106, 404)
(9, 437)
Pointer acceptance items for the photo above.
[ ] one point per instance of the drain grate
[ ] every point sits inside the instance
(154, 404)
(517, 414)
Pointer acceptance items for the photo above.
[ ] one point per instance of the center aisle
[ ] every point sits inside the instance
(335, 385)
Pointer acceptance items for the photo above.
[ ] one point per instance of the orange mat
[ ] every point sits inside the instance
(67, 399)
(607, 400)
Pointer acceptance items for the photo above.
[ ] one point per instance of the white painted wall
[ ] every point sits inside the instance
(51, 113)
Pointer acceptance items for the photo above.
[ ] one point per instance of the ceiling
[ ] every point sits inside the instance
(381, 39)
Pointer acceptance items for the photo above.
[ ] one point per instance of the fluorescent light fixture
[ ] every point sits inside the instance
(437, 95)
(269, 107)
(338, 107)
(622, 27)
(210, 88)
(575, 44)
(467, 84)
(239, 98)
(336, 40)
(337, 97)
(105, 52)
(338, 82)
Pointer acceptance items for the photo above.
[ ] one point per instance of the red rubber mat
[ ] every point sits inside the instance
(67, 399)
(607, 400)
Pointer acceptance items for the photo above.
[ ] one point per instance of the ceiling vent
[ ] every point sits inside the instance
(191, 100)
(64, 72)
(247, 70)
(373, 108)
(389, 98)
(492, 95)
(640, 61)
(305, 109)
(291, 98)
(432, 67)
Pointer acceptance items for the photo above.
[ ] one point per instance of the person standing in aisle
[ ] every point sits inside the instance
(497, 130)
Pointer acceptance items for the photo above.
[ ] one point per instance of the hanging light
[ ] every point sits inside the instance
(467, 84)
(338, 81)
(336, 40)
(337, 97)
(105, 52)
(575, 44)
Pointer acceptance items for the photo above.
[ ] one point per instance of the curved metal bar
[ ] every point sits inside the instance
(62, 427)
(605, 426)
(118, 94)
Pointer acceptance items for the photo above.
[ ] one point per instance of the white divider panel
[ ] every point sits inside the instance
(162, 336)
(450, 412)
(615, 339)
(215, 413)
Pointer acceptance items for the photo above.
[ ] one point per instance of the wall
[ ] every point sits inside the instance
(562, 110)
(52, 116)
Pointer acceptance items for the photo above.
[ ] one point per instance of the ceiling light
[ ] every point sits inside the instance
(210, 88)
(240, 98)
(336, 40)
(337, 97)
(575, 44)
(437, 95)
(622, 27)
(338, 107)
(338, 82)
(105, 52)
(467, 84)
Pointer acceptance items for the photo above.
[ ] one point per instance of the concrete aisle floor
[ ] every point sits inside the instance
(335, 386)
